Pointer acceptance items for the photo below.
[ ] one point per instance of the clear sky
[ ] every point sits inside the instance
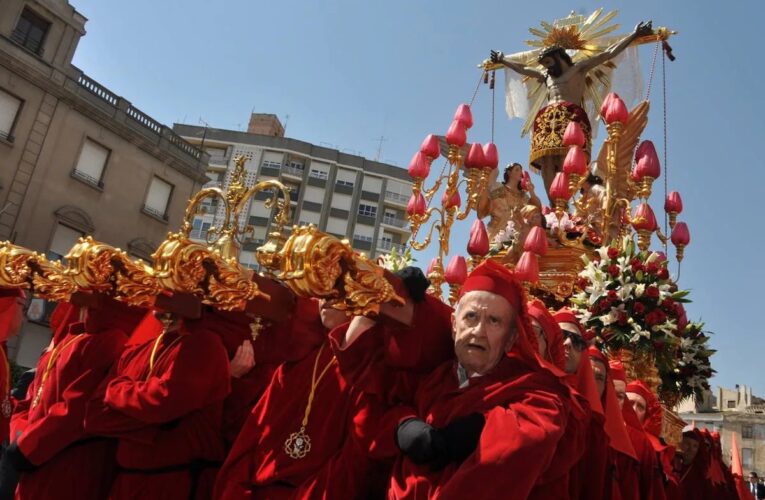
(349, 72)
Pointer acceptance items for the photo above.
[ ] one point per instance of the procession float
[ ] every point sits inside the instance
(589, 244)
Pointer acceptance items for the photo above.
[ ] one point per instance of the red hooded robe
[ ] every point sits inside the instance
(48, 426)
(167, 415)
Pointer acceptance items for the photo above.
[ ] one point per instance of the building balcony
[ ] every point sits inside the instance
(387, 246)
(396, 198)
(396, 223)
(219, 160)
(292, 171)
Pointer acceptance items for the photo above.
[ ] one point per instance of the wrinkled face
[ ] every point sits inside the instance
(689, 447)
(620, 387)
(573, 345)
(600, 373)
(639, 404)
(541, 339)
(330, 317)
(483, 329)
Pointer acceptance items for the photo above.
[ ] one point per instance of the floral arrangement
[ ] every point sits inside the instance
(504, 239)
(394, 261)
(628, 299)
(691, 374)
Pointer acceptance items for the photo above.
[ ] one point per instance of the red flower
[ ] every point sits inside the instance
(652, 267)
(638, 308)
(613, 270)
(612, 295)
(658, 345)
(652, 292)
(668, 305)
(582, 283)
(613, 253)
(622, 320)
(655, 317)
(663, 273)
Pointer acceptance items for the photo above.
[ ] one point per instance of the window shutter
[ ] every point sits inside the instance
(158, 197)
(92, 160)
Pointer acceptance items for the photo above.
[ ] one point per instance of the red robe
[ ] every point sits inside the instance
(650, 477)
(168, 424)
(383, 361)
(51, 434)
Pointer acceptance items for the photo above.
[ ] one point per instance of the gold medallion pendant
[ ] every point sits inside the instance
(298, 444)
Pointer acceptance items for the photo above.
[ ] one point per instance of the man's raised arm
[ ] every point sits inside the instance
(617, 48)
(500, 58)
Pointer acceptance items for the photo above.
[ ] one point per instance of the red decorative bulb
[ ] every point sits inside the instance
(647, 161)
(559, 189)
(681, 235)
(456, 135)
(614, 110)
(451, 201)
(478, 244)
(575, 161)
(431, 147)
(527, 268)
(536, 241)
(573, 136)
(475, 158)
(491, 155)
(419, 167)
(644, 218)
(456, 271)
(416, 205)
(464, 115)
(673, 203)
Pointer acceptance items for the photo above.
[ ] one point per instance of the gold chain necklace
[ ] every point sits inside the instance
(299, 443)
(153, 358)
(55, 352)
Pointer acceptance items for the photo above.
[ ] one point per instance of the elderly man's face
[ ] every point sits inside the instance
(689, 447)
(541, 339)
(599, 371)
(620, 387)
(482, 325)
(639, 404)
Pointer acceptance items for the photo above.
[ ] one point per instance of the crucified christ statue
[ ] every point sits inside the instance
(565, 81)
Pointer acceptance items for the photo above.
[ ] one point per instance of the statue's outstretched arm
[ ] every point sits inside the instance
(500, 58)
(615, 49)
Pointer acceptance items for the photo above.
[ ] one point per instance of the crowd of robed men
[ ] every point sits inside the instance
(497, 397)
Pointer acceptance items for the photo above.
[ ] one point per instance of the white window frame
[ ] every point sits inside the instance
(86, 168)
(8, 102)
(156, 211)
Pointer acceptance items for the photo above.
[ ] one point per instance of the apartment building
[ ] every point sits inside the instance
(343, 194)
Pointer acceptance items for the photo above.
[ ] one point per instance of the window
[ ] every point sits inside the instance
(747, 457)
(318, 174)
(731, 403)
(344, 183)
(360, 237)
(30, 31)
(90, 165)
(746, 431)
(9, 111)
(158, 198)
(367, 210)
(296, 165)
(64, 238)
(271, 164)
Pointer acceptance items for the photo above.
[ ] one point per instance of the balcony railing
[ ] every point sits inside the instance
(97, 89)
(397, 197)
(389, 245)
(219, 159)
(298, 172)
(394, 221)
(87, 178)
(156, 213)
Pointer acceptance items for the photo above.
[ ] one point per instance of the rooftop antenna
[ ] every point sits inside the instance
(378, 156)
(204, 133)
(286, 121)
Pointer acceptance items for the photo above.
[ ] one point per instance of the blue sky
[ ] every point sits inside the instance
(349, 72)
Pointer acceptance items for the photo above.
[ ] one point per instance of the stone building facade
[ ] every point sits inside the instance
(75, 157)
